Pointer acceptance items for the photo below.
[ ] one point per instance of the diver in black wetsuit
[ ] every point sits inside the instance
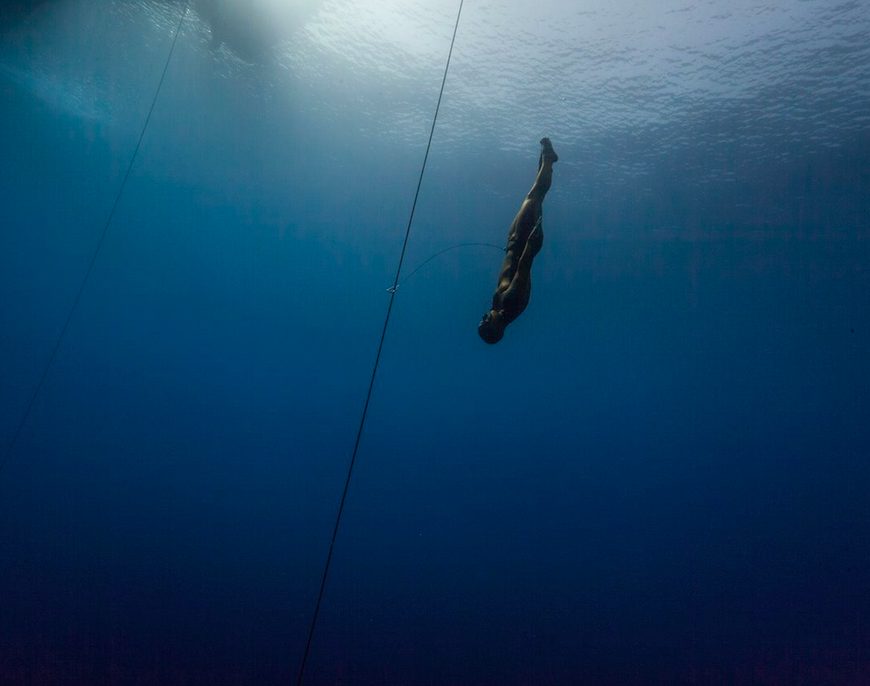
(525, 239)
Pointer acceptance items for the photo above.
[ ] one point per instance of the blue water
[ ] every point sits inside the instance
(659, 476)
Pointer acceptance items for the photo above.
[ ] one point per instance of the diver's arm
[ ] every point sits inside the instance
(521, 283)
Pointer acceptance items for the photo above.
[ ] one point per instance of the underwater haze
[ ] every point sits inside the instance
(661, 475)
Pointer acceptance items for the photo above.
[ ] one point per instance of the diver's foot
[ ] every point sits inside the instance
(547, 152)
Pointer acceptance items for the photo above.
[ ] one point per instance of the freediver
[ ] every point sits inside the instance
(525, 239)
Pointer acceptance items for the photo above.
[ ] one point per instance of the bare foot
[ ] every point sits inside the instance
(547, 152)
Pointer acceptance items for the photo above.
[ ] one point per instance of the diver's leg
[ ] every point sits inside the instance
(527, 219)
(545, 171)
(532, 207)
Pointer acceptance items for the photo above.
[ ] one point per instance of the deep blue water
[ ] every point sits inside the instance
(659, 476)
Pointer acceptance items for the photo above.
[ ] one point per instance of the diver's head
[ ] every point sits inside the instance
(491, 327)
